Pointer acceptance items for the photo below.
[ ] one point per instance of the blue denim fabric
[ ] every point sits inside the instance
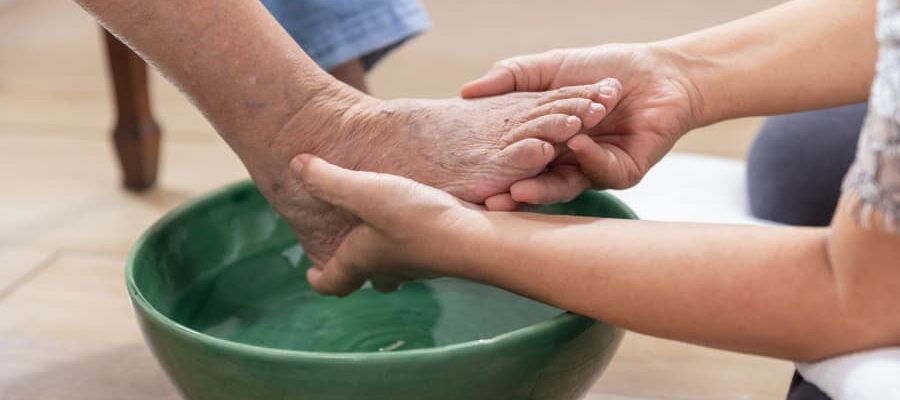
(333, 32)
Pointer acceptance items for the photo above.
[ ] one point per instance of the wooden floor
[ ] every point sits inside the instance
(66, 329)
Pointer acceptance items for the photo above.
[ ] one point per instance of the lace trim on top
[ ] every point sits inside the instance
(875, 175)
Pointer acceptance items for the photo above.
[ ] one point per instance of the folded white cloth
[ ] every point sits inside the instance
(692, 188)
(867, 375)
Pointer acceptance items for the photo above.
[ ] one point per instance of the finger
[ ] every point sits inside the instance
(607, 167)
(562, 183)
(363, 194)
(528, 157)
(554, 128)
(386, 284)
(501, 202)
(498, 80)
(334, 279)
(530, 73)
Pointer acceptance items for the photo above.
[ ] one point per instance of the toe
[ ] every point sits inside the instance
(553, 128)
(525, 158)
(607, 92)
(589, 111)
(606, 88)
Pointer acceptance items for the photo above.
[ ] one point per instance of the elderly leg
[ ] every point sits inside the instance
(270, 102)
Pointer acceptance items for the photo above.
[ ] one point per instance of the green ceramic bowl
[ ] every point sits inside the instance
(220, 293)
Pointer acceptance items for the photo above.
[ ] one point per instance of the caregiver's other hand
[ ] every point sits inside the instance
(402, 226)
(658, 104)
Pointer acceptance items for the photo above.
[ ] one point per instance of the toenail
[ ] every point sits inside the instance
(597, 107)
(572, 120)
(547, 148)
(608, 87)
(606, 91)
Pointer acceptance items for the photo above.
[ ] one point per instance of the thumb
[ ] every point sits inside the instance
(359, 192)
(498, 80)
(335, 279)
(531, 73)
(607, 166)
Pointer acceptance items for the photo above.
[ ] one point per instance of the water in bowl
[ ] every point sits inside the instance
(266, 301)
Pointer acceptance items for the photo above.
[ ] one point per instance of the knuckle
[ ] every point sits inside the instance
(633, 177)
(556, 55)
(519, 70)
(553, 53)
(501, 64)
(512, 65)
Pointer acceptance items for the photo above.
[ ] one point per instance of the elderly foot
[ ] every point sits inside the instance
(472, 149)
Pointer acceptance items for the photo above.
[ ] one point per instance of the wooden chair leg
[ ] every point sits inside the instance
(136, 135)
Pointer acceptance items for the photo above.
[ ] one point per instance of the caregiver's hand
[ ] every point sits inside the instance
(658, 104)
(402, 231)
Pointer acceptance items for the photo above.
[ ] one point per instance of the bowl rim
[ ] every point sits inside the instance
(206, 200)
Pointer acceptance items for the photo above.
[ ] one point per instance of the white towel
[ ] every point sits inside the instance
(868, 375)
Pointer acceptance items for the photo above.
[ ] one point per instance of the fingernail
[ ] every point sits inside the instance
(572, 120)
(597, 107)
(300, 164)
(573, 144)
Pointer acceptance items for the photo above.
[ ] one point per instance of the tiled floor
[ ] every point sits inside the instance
(66, 330)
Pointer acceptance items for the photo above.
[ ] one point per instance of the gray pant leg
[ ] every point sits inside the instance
(797, 163)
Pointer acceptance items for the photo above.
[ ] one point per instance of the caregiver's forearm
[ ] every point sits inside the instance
(760, 290)
(230, 57)
(804, 54)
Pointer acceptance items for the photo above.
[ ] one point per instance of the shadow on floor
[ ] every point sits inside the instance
(160, 197)
(128, 372)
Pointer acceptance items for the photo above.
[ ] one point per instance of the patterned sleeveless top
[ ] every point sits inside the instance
(874, 180)
(875, 175)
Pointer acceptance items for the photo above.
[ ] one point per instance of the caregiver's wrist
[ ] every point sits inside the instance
(455, 246)
(489, 244)
(704, 77)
